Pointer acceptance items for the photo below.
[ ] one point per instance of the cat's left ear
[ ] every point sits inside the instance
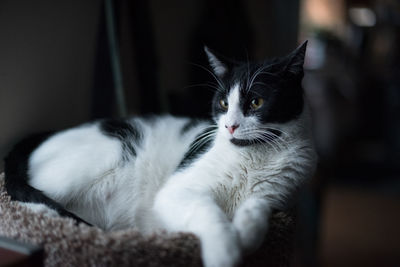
(296, 60)
(219, 68)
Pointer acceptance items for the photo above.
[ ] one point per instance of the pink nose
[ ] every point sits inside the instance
(232, 128)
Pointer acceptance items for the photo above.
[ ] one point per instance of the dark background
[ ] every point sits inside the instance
(58, 68)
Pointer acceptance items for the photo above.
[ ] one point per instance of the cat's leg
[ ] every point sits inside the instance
(251, 222)
(188, 211)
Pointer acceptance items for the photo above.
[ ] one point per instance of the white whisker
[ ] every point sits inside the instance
(258, 72)
(210, 85)
(264, 135)
(203, 138)
(220, 83)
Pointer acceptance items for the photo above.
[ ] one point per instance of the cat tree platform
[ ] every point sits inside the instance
(66, 244)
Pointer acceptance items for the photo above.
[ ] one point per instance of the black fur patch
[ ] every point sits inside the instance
(189, 125)
(195, 151)
(126, 132)
(17, 177)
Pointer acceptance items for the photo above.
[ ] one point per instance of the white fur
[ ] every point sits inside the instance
(230, 191)
(72, 160)
(84, 170)
(225, 197)
(234, 116)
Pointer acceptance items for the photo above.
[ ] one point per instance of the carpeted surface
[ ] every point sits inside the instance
(67, 244)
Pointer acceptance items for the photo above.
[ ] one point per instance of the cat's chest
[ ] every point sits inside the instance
(240, 180)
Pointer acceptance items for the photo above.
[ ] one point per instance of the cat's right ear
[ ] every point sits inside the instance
(296, 60)
(219, 68)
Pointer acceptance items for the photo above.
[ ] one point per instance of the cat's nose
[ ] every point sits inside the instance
(232, 128)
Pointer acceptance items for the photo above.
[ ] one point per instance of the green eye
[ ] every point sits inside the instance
(224, 104)
(256, 103)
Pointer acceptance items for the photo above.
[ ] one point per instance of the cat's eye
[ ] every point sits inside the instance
(256, 103)
(224, 104)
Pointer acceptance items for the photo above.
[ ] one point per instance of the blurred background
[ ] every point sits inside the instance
(66, 62)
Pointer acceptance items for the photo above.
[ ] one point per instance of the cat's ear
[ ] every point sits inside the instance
(295, 60)
(219, 68)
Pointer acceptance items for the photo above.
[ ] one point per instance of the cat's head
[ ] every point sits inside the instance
(253, 99)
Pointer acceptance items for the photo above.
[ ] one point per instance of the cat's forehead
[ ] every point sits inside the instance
(250, 75)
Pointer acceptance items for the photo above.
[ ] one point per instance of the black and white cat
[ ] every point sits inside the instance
(219, 180)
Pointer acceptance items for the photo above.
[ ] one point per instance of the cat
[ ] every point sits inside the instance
(219, 179)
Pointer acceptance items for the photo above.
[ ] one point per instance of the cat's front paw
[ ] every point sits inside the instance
(251, 230)
(221, 251)
(250, 240)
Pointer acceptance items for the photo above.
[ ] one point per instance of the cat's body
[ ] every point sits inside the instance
(108, 172)
(219, 180)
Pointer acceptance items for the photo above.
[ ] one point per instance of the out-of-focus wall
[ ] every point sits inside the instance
(46, 62)
(53, 53)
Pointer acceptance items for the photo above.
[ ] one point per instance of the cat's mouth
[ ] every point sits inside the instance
(242, 142)
(247, 142)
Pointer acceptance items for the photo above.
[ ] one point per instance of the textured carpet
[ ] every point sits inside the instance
(67, 244)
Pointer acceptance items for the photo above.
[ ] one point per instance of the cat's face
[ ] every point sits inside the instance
(254, 99)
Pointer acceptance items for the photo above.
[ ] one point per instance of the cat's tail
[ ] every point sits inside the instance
(16, 176)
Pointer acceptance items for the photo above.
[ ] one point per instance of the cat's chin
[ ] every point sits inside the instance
(241, 142)
(249, 142)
